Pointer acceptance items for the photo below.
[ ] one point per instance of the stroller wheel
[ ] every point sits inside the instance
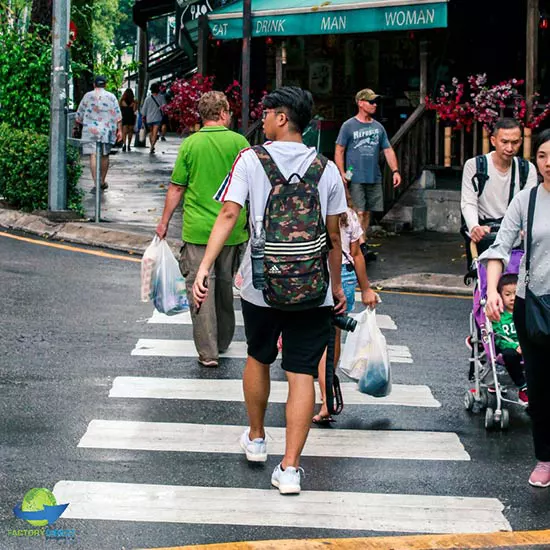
(469, 400)
(489, 419)
(505, 419)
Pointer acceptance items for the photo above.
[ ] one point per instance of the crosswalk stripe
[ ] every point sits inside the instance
(237, 350)
(385, 322)
(231, 390)
(215, 438)
(311, 509)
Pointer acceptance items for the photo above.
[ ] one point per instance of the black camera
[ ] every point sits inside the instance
(344, 322)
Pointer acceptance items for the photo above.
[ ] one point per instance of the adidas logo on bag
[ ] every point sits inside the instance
(274, 269)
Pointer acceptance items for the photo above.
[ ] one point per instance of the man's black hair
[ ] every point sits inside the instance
(506, 124)
(155, 88)
(507, 279)
(296, 103)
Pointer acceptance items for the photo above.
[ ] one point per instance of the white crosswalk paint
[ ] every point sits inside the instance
(237, 350)
(231, 390)
(214, 438)
(385, 322)
(312, 509)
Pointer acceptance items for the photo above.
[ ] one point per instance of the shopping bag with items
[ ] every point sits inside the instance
(365, 357)
(149, 263)
(166, 286)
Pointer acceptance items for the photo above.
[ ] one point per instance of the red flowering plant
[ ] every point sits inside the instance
(535, 120)
(183, 108)
(235, 97)
(489, 101)
(449, 107)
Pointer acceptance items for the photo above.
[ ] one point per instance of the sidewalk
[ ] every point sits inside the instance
(131, 208)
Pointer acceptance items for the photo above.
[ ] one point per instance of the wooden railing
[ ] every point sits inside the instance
(413, 146)
(255, 133)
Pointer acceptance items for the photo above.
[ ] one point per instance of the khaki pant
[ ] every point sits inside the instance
(214, 326)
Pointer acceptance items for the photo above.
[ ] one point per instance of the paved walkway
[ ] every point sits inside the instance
(135, 199)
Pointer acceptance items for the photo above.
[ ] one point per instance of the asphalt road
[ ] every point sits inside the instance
(69, 324)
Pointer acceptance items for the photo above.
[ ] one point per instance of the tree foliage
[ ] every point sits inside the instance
(25, 65)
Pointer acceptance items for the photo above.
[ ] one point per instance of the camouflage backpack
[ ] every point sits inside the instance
(296, 248)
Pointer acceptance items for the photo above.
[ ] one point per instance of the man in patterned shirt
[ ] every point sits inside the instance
(101, 119)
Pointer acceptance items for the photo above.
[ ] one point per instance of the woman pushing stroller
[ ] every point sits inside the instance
(529, 212)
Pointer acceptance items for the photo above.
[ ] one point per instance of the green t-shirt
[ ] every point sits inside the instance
(203, 162)
(505, 332)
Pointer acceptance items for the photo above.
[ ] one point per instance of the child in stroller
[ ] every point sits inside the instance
(506, 339)
(486, 391)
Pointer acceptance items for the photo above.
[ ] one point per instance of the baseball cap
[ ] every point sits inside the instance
(366, 95)
(100, 81)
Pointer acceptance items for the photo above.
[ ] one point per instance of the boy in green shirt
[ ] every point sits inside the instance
(204, 160)
(506, 338)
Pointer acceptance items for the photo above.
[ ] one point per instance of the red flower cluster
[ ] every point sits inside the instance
(485, 105)
(235, 97)
(183, 108)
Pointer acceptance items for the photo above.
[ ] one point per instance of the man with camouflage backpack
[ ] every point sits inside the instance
(295, 197)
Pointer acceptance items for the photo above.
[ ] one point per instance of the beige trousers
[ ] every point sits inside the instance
(214, 325)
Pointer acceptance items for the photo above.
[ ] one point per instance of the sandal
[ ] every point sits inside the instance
(322, 420)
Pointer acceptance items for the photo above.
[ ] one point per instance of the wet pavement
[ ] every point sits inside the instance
(135, 199)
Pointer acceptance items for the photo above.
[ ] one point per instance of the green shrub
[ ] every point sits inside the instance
(24, 163)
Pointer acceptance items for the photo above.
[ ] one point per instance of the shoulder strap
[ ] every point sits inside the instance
(523, 166)
(156, 102)
(529, 240)
(269, 165)
(512, 182)
(481, 176)
(315, 171)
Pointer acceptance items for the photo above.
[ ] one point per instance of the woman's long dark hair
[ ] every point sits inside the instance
(128, 97)
(541, 139)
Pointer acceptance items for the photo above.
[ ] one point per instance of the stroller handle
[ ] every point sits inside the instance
(473, 250)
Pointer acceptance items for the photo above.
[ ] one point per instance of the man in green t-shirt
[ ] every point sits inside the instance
(204, 160)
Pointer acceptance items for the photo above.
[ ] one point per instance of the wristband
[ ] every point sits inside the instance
(395, 171)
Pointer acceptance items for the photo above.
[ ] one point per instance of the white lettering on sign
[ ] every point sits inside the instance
(266, 26)
(410, 18)
(334, 23)
(219, 30)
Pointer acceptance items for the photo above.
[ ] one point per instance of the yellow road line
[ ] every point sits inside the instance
(71, 248)
(415, 542)
(138, 260)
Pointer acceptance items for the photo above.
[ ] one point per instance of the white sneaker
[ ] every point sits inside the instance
(256, 450)
(288, 480)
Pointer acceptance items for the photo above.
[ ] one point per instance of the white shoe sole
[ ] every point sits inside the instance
(286, 489)
(540, 485)
(253, 457)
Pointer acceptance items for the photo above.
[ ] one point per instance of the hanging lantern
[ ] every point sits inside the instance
(543, 23)
(269, 41)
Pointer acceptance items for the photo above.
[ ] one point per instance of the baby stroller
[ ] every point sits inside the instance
(485, 365)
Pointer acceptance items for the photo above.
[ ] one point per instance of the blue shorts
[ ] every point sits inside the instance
(349, 283)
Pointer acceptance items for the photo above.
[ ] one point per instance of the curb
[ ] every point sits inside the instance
(78, 232)
(90, 234)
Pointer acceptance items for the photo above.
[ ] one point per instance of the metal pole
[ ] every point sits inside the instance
(57, 175)
(531, 66)
(98, 151)
(247, 32)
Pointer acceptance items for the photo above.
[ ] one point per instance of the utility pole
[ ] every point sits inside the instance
(57, 175)
(247, 32)
(531, 68)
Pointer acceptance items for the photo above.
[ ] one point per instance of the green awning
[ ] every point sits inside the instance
(307, 17)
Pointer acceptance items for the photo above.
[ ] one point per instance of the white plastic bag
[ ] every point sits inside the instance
(149, 263)
(168, 288)
(365, 357)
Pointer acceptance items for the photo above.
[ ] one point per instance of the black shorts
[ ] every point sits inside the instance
(305, 336)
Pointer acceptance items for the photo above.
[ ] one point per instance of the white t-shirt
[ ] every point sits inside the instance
(493, 202)
(248, 181)
(350, 234)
